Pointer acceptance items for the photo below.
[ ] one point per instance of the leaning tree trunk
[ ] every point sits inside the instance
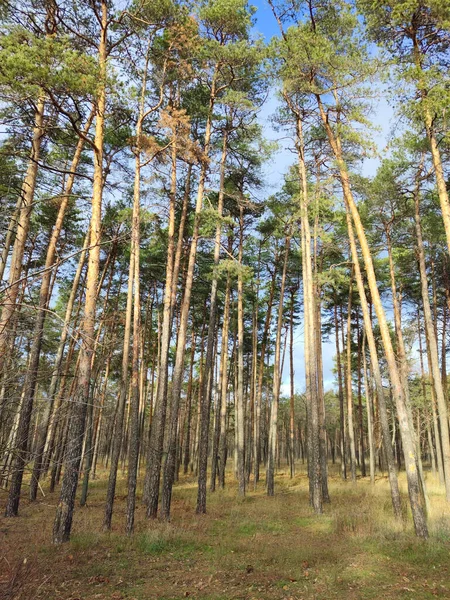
(433, 350)
(407, 436)
(33, 366)
(64, 513)
(12, 227)
(48, 435)
(26, 206)
(434, 147)
(376, 372)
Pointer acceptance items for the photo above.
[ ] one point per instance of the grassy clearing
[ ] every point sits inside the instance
(255, 548)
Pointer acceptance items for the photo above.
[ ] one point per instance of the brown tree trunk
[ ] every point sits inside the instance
(64, 512)
(224, 385)
(26, 207)
(362, 460)
(434, 147)
(433, 350)
(187, 443)
(156, 441)
(292, 390)
(409, 450)
(33, 366)
(54, 405)
(239, 392)
(208, 376)
(273, 431)
(351, 430)
(341, 395)
(169, 468)
(369, 409)
(134, 438)
(312, 397)
(259, 387)
(387, 445)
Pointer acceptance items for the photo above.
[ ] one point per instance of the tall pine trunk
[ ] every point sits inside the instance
(273, 430)
(11, 293)
(376, 372)
(177, 378)
(208, 376)
(64, 513)
(407, 435)
(433, 349)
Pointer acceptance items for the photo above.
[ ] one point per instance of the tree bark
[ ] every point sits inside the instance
(433, 349)
(169, 468)
(208, 376)
(240, 424)
(351, 430)
(26, 206)
(369, 410)
(340, 394)
(387, 445)
(273, 431)
(409, 450)
(314, 466)
(33, 366)
(64, 513)
(224, 386)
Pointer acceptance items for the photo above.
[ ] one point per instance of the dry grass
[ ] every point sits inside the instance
(252, 548)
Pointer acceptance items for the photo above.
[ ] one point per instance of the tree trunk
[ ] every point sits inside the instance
(224, 385)
(369, 410)
(177, 379)
(26, 206)
(292, 390)
(312, 397)
(49, 435)
(64, 512)
(387, 446)
(273, 431)
(348, 379)
(240, 424)
(33, 366)
(433, 350)
(156, 440)
(340, 394)
(412, 475)
(362, 460)
(187, 443)
(208, 376)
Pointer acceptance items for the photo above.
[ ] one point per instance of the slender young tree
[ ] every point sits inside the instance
(273, 428)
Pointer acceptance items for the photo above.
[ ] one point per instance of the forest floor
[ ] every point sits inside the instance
(254, 548)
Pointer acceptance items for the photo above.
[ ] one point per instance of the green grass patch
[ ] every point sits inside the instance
(160, 542)
(318, 524)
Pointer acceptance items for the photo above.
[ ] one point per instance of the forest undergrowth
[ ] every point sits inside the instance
(256, 547)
